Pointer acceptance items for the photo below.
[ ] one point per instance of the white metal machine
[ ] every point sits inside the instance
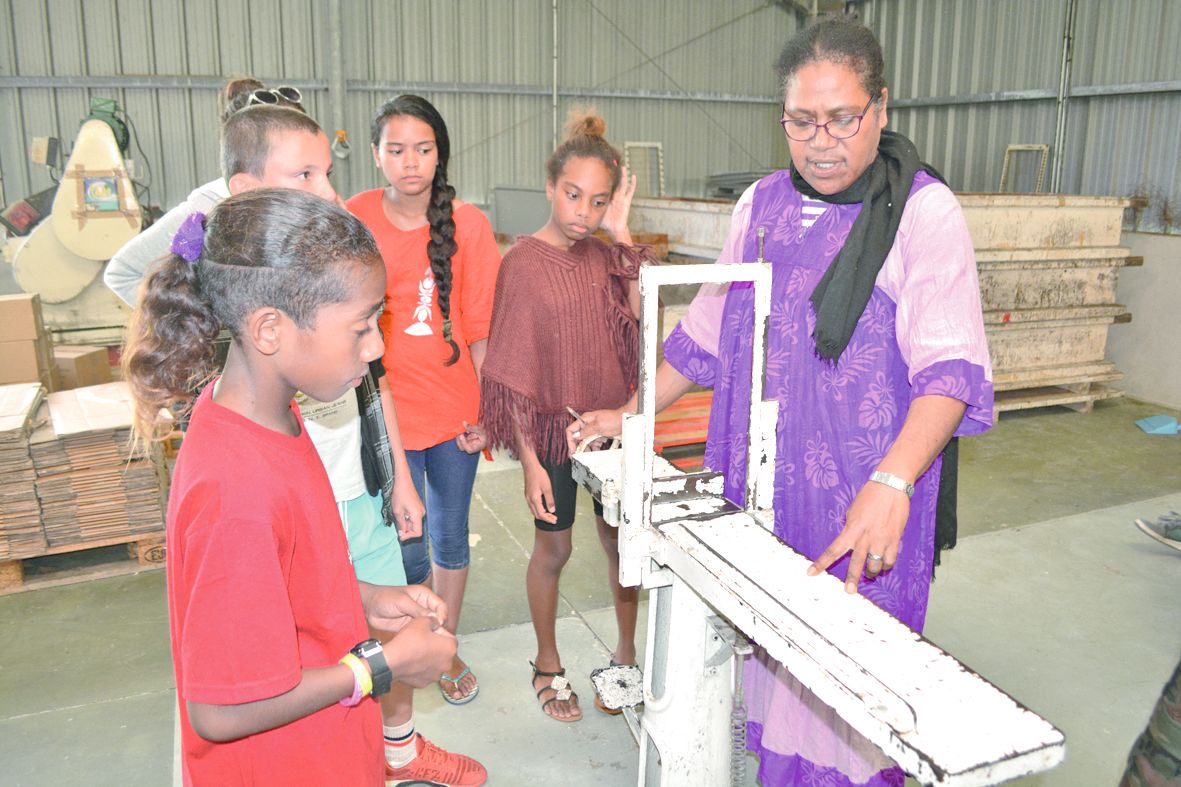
(713, 567)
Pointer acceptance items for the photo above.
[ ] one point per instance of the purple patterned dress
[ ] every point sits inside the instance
(921, 334)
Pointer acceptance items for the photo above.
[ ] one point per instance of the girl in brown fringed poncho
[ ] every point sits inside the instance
(565, 335)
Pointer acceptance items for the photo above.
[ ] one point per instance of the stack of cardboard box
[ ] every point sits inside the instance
(93, 484)
(26, 349)
(20, 514)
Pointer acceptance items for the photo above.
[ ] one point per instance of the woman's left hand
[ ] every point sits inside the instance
(473, 439)
(873, 530)
(615, 219)
(408, 507)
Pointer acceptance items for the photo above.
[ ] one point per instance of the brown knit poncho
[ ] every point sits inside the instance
(563, 335)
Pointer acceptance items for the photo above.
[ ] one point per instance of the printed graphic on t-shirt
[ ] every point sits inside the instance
(330, 415)
(422, 312)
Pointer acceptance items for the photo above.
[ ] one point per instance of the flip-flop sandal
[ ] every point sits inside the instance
(617, 687)
(560, 686)
(466, 698)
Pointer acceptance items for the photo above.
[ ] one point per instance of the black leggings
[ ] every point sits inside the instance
(565, 492)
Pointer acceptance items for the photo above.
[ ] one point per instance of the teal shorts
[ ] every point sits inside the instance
(373, 547)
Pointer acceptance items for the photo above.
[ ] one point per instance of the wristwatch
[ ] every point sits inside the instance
(893, 481)
(370, 650)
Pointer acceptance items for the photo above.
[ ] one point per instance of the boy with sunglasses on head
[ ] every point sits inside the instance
(130, 264)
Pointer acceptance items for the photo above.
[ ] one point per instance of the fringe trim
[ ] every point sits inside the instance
(622, 326)
(502, 408)
(624, 331)
(626, 260)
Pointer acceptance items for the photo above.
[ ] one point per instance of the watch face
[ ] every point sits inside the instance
(368, 648)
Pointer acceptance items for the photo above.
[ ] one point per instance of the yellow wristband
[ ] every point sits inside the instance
(362, 680)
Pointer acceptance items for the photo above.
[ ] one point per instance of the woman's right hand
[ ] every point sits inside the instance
(606, 423)
(539, 493)
(420, 652)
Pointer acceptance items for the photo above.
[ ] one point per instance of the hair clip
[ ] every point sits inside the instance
(189, 240)
(447, 330)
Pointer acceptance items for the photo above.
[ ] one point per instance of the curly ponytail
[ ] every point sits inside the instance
(264, 247)
(170, 346)
(442, 246)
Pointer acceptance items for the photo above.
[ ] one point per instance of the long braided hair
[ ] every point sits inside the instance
(442, 246)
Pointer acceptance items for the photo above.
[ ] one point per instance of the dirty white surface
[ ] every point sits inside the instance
(900, 690)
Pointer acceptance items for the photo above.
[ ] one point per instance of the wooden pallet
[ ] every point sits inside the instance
(143, 551)
(1080, 397)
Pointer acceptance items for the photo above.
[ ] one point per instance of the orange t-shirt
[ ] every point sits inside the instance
(433, 400)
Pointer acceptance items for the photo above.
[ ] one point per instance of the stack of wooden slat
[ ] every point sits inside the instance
(1049, 265)
(92, 484)
(20, 516)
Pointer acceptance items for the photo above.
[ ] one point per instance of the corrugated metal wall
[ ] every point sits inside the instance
(487, 64)
(942, 55)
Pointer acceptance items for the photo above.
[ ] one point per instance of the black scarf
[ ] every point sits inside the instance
(844, 291)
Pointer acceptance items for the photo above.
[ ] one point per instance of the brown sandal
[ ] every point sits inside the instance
(560, 686)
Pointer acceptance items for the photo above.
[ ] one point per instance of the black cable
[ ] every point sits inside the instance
(147, 187)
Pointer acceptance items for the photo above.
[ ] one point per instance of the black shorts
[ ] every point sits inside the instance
(565, 492)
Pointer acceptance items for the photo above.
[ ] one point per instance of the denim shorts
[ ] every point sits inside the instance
(444, 477)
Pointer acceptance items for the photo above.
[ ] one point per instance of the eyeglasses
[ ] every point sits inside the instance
(841, 127)
(286, 93)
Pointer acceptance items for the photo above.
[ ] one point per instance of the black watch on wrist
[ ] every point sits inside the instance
(370, 650)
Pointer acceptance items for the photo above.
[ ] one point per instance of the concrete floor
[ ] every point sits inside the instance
(1051, 594)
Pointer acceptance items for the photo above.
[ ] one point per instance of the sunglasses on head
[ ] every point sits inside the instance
(285, 93)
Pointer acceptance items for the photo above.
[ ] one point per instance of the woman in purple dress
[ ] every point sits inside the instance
(876, 355)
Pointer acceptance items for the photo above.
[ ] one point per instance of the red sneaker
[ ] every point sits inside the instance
(437, 768)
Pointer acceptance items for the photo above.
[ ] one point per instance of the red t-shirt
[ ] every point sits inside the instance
(260, 587)
(433, 400)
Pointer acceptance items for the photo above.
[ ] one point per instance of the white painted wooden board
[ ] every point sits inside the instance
(940, 721)
(1024, 221)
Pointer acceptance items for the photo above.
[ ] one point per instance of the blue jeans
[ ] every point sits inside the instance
(444, 477)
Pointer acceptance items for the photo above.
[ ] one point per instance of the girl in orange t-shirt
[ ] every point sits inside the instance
(441, 261)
